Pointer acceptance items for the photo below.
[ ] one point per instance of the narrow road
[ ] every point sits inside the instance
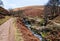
(7, 31)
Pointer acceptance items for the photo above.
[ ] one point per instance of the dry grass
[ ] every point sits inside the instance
(18, 34)
(4, 19)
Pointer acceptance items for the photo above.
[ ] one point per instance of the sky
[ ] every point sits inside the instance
(21, 3)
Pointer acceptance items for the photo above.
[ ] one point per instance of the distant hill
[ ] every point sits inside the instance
(31, 10)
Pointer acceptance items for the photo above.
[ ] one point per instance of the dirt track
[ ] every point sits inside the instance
(7, 31)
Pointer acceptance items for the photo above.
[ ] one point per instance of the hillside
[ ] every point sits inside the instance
(23, 8)
(3, 12)
(57, 19)
(32, 11)
(29, 36)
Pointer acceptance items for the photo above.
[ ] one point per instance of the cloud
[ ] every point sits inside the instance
(12, 5)
(21, 3)
(7, 6)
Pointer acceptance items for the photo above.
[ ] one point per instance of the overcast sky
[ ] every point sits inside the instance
(22, 3)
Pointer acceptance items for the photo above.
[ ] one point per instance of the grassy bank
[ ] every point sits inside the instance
(4, 19)
(18, 34)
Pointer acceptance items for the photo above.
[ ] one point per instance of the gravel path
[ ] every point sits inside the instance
(7, 31)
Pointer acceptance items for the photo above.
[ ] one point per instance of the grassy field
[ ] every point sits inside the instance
(4, 19)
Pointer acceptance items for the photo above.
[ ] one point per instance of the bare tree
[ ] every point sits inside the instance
(1, 3)
(18, 13)
(51, 10)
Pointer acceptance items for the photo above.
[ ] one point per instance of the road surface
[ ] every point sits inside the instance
(7, 31)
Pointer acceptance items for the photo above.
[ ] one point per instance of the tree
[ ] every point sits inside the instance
(1, 3)
(18, 13)
(51, 10)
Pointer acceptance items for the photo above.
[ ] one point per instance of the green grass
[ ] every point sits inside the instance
(4, 19)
